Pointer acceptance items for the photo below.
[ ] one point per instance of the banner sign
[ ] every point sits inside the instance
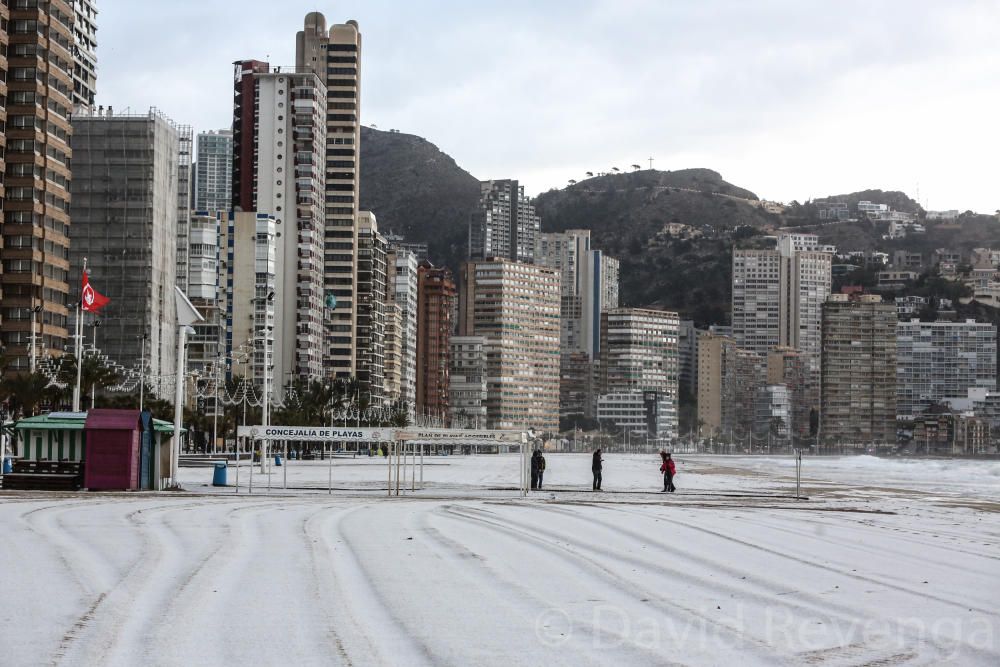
(316, 433)
(459, 435)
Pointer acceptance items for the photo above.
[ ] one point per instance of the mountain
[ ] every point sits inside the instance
(417, 191)
(672, 231)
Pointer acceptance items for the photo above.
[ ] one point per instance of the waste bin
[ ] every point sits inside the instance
(277, 460)
(219, 476)
(8, 465)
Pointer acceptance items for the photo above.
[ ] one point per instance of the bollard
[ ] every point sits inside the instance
(219, 475)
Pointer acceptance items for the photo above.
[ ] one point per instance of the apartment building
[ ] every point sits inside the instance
(372, 295)
(515, 306)
(278, 145)
(125, 220)
(436, 295)
(467, 390)
(38, 98)
(213, 171)
(639, 367)
(940, 360)
(505, 225)
(859, 370)
(334, 54)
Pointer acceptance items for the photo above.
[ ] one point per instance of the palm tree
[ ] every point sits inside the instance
(636, 167)
(25, 391)
(93, 376)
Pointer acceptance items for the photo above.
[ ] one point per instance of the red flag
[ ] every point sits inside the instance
(91, 300)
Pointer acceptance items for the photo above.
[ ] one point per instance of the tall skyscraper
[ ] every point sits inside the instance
(278, 143)
(515, 306)
(778, 297)
(124, 211)
(638, 371)
(401, 265)
(185, 144)
(505, 225)
(251, 278)
(589, 286)
(940, 360)
(371, 298)
(38, 92)
(436, 296)
(213, 172)
(205, 288)
(716, 356)
(335, 55)
(467, 391)
(84, 52)
(859, 371)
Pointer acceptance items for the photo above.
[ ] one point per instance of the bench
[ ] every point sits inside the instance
(44, 476)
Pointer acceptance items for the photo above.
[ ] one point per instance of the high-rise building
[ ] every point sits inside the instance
(213, 171)
(940, 360)
(859, 371)
(638, 371)
(278, 145)
(515, 306)
(335, 55)
(772, 413)
(205, 290)
(401, 266)
(589, 286)
(251, 279)
(38, 99)
(787, 366)
(715, 358)
(84, 52)
(687, 352)
(371, 298)
(467, 391)
(124, 211)
(778, 297)
(436, 296)
(185, 147)
(505, 225)
(393, 348)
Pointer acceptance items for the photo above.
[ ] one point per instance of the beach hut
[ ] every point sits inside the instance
(62, 436)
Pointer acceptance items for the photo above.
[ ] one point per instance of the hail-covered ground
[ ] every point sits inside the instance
(886, 562)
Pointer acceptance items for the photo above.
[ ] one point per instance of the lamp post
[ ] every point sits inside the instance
(265, 338)
(187, 315)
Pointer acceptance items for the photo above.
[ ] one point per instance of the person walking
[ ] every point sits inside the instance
(668, 469)
(541, 467)
(596, 467)
(535, 474)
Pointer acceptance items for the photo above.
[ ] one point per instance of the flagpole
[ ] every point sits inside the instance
(79, 346)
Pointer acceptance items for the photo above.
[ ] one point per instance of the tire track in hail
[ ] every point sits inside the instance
(106, 630)
(360, 586)
(463, 555)
(804, 601)
(587, 563)
(810, 563)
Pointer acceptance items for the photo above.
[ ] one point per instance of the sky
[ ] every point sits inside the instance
(792, 99)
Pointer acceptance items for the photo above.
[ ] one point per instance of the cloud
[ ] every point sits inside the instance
(791, 99)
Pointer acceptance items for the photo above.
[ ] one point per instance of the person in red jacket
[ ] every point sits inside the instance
(668, 469)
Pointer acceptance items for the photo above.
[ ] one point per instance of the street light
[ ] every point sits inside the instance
(265, 422)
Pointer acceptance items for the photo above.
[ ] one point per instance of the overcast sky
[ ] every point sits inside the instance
(792, 99)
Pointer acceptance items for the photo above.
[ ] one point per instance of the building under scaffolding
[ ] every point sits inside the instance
(124, 209)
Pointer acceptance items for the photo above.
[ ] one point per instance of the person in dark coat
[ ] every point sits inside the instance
(535, 473)
(541, 467)
(668, 469)
(596, 467)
